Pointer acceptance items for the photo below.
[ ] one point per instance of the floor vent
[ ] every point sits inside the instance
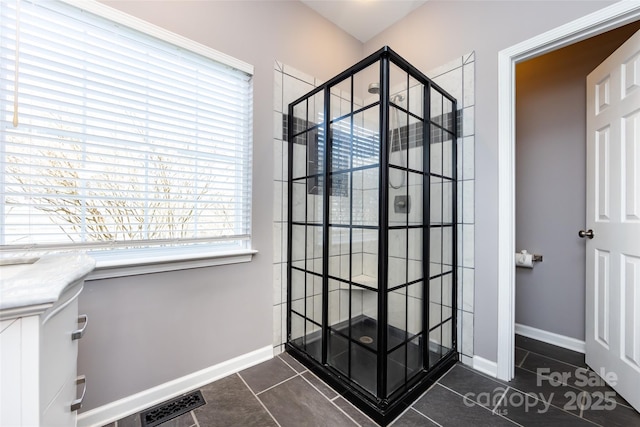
(171, 409)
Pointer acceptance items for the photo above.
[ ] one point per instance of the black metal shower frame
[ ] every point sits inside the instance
(383, 407)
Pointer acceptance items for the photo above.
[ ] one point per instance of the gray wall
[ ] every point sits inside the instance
(146, 330)
(550, 181)
(441, 30)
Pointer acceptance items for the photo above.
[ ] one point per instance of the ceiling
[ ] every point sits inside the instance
(364, 19)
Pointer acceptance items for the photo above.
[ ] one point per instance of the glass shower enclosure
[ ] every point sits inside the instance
(372, 233)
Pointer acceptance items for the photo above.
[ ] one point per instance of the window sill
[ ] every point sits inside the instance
(107, 268)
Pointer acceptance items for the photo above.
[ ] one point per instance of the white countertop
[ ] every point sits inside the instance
(28, 282)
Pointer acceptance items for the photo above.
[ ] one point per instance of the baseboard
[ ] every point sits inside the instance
(550, 338)
(135, 403)
(485, 366)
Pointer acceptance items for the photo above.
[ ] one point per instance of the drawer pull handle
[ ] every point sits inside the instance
(77, 404)
(76, 335)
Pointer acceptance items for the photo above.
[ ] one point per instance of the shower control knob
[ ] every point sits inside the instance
(588, 233)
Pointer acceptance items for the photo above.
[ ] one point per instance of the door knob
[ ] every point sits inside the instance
(588, 233)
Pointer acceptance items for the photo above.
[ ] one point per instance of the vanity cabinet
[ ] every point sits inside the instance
(39, 382)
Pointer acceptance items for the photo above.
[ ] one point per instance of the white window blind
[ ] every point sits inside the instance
(123, 139)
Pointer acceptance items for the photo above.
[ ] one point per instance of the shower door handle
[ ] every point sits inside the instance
(588, 233)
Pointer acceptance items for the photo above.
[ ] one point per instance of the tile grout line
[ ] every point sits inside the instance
(330, 401)
(195, 419)
(328, 386)
(505, 417)
(421, 396)
(289, 365)
(481, 405)
(550, 404)
(258, 399)
(500, 400)
(523, 359)
(318, 390)
(553, 358)
(421, 414)
(582, 402)
(276, 385)
(299, 374)
(281, 382)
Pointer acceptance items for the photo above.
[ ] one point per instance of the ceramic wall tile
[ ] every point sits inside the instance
(279, 174)
(299, 75)
(467, 333)
(277, 125)
(277, 324)
(468, 120)
(468, 158)
(468, 83)
(451, 65)
(468, 202)
(468, 292)
(370, 265)
(466, 360)
(277, 284)
(451, 82)
(277, 242)
(277, 207)
(468, 232)
(292, 89)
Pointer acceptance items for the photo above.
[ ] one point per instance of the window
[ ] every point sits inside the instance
(125, 138)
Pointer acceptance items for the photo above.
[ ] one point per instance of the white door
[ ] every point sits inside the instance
(613, 216)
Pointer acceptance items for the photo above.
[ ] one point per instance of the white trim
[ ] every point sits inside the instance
(485, 366)
(603, 20)
(160, 33)
(550, 338)
(506, 217)
(106, 269)
(135, 403)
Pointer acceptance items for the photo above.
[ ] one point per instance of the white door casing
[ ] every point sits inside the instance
(608, 18)
(613, 213)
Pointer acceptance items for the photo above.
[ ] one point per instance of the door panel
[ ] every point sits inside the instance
(602, 174)
(601, 303)
(631, 156)
(631, 75)
(613, 213)
(630, 303)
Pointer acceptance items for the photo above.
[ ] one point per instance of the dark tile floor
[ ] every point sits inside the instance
(281, 392)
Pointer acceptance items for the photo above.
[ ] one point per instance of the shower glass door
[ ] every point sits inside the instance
(354, 228)
(406, 230)
(372, 233)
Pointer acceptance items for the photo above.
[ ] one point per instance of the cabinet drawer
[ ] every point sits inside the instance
(59, 353)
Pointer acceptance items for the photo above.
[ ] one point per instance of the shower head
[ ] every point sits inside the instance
(374, 89)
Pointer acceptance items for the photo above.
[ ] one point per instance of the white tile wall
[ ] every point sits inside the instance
(456, 77)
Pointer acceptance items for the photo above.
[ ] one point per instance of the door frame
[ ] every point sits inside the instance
(608, 18)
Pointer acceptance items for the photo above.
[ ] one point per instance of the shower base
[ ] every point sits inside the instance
(359, 384)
